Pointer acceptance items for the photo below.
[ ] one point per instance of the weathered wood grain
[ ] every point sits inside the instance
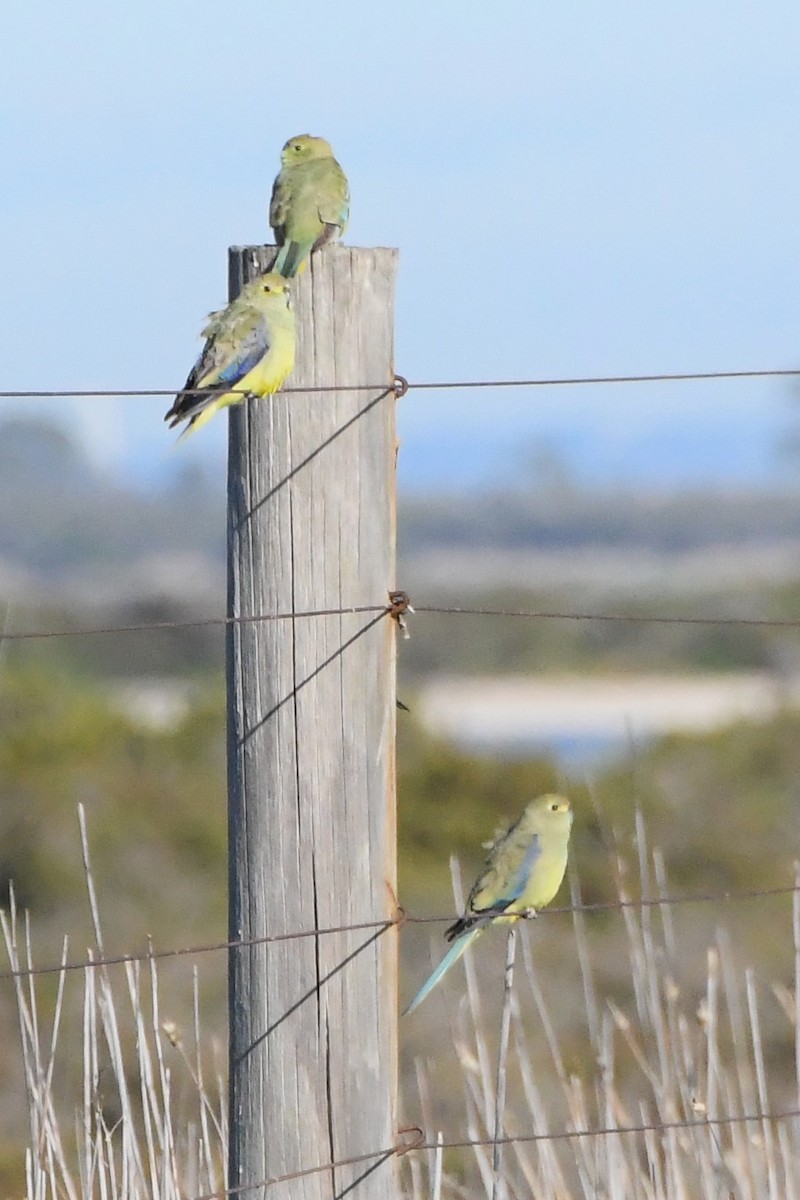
(311, 525)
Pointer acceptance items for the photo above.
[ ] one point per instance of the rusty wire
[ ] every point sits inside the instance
(390, 610)
(399, 605)
(398, 919)
(195, 623)
(419, 1143)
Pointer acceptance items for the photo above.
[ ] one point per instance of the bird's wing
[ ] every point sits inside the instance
(507, 872)
(228, 357)
(334, 203)
(231, 350)
(278, 205)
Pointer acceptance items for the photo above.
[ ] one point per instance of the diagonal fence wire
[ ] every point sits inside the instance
(398, 387)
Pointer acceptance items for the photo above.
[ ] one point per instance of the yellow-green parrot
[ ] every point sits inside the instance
(522, 874)
(310, 202)
(249, 346)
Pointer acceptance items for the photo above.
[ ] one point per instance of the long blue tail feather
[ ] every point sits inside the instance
(453, 955)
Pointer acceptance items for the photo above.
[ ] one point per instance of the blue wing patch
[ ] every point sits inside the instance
(251, 350)
(520, 880)
(515, 889)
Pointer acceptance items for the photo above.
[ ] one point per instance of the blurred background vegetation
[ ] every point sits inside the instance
(132, 725)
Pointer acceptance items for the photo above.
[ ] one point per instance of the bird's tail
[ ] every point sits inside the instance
(453, 955)
(291, 259)
(196, 408)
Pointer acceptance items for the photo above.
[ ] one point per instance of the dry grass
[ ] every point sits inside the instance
(682, 1074)
(687, 1071)
(138, 1130)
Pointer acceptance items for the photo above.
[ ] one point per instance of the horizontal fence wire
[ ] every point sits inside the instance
(194, 623)
(398, 920)
(398, 387)
(420, 1144)
(400, 384)
(444, 610)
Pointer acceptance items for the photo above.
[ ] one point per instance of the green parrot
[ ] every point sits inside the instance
(522, 873)
(310, 202)
(249, 348)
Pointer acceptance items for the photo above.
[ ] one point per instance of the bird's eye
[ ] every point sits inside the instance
(555, 806)
(267, 288)
(297, 147)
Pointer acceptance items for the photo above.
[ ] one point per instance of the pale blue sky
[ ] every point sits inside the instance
(574, 188)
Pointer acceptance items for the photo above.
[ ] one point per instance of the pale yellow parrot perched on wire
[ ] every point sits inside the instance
(310, 202)
(250, 347)
(522, 874)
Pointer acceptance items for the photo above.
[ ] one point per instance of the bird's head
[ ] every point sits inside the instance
(269, 286)
(552, 809)
(303, 148)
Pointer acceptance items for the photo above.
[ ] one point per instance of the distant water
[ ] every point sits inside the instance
(575, 752)
(586, 722)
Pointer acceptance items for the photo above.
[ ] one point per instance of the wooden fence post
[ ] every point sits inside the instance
(311, 712)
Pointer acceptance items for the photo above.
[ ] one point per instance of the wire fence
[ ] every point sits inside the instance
(413, 1139)
(399, 605)
(388, 610)
(419, 1143)
(400, 919)
(399, 385)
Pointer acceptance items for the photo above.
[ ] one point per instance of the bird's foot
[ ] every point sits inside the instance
(528, 913)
